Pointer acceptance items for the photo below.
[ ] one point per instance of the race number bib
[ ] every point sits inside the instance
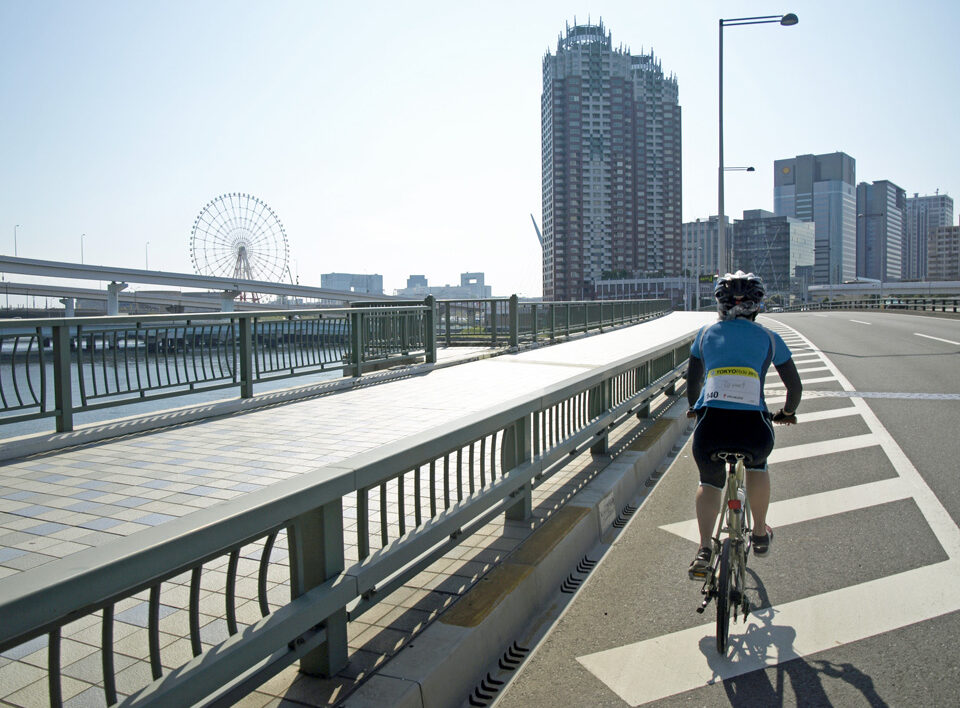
(734, 384)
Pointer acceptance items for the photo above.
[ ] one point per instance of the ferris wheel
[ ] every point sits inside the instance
(238, 236)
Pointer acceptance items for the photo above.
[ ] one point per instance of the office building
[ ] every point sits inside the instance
(610, 138)
(471, 287)
(881, 216)
(352, 283)
(924, 215)
(700, 245)
(943, 254)
(780, 249)
(822, 189)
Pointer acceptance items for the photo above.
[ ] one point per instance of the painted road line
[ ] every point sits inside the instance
(819, 379)
(861, 322)
(815, 506)
(830, 414)
(937, 516)
(813, 368)
(688, 659)
(826, 447)
(927, 336)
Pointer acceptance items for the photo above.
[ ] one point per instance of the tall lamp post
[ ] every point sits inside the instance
(146, 256)
(81, 248)
(786, 20)
(15, 227)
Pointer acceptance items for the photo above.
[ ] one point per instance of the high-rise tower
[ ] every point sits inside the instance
(881, 213)
(924, 216)
(822, 189)
(610, 128)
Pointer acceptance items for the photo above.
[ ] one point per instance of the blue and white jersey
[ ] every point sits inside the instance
(736, 355)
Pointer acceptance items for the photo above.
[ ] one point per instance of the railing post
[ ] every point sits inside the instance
(535, 322)
(246, 357)
(62, 385)
(431, 316)
(356, 343)
(514, 315)
(315, 542)
(553, 321)
(600, 399)
(517, 449)
(446, 321)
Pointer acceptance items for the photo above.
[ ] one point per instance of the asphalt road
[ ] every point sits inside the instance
(857, 604)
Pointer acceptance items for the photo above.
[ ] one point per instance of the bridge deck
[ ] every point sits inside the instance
(58, 503)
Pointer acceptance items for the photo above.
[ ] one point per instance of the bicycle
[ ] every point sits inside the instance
(726, 580)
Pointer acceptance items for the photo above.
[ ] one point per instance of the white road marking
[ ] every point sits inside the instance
(814, 416)
(927, 336)
(813, 368)
(776, 635)
(820, 379)
(861, 322)
(827, 447)
(815, 506)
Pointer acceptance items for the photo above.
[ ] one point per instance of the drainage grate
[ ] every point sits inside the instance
(573, 581)
(489, 686)
(627, 512)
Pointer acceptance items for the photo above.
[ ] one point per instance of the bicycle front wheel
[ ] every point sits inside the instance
(725, 577)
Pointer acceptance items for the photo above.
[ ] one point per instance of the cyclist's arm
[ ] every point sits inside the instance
(694, 379)
(791, 379)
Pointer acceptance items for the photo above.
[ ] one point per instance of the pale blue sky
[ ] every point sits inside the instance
(401, 140)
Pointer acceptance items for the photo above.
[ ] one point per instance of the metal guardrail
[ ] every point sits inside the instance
(917, 304)
(404, 505)
(507, 321)
(59, 367)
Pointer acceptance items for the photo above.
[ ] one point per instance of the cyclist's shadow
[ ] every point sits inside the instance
(765, 644)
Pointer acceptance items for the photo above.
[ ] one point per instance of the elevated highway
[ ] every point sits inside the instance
(230, 288)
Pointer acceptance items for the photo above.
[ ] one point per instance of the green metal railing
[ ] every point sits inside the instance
(912, 304)
(353, 531)
(510, 322)
(59, 367)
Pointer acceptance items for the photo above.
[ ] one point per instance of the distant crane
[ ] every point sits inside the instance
(537, 229)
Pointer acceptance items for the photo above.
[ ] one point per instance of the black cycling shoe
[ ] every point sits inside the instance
(700, 567)
(761, 544)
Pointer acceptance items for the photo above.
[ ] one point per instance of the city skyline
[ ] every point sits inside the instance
(406, 140)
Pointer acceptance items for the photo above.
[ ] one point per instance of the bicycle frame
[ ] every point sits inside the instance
(726, 580)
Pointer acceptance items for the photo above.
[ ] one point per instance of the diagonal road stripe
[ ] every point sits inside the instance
(775, 635)
(815, 506)
(826, 447)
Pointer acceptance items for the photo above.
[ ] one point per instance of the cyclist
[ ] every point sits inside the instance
(728, 362)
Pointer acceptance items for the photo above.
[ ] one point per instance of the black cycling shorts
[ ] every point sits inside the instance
(730, 430)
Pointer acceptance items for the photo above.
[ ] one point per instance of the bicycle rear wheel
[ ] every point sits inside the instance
(725, 581)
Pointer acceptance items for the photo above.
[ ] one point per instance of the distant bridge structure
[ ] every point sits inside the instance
(119, 278)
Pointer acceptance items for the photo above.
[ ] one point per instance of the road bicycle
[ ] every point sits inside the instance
(726, 580)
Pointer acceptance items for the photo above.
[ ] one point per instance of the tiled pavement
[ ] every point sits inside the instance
(53, 505)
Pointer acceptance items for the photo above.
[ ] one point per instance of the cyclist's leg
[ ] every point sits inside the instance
(758, 476)
(758, 492)
(707, 438)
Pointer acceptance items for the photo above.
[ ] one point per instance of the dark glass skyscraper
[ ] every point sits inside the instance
(611, 165)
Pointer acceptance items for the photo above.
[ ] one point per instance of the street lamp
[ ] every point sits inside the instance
(786, 20)
(15, 227)
(146, 256)
(81, 248)
(739, 169)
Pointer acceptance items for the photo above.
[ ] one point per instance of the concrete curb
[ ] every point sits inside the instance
(441, 666)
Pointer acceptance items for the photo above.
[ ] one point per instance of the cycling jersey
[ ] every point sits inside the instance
(736, 355)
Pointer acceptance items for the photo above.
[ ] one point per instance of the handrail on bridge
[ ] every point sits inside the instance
(61, 366)
(914, 304)
(407, 503)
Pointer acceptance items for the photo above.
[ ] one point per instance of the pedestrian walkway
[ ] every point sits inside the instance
(55, 504)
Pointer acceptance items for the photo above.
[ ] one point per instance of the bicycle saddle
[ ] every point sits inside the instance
(718, 455)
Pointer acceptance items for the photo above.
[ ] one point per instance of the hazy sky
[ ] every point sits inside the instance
(400, 138)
